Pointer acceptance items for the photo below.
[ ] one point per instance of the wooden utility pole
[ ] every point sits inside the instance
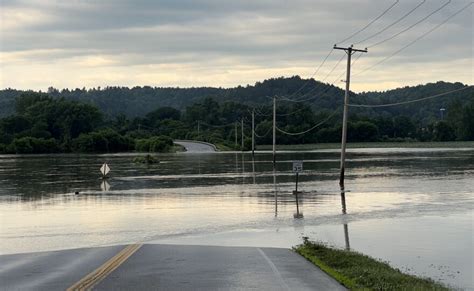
(198, 129)
(350, 51)
(235, 130)
(274, 131)
(253, 132)
(242, 134)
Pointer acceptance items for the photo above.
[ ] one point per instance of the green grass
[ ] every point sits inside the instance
(360, 272)
(319, 146)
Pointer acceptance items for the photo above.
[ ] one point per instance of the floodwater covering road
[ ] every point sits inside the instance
(196, 147)
(411, 207)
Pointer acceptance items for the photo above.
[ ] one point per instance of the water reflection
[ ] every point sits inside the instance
(346, 236)
(343, 201)
(253, 168)
(275, 192)
(213, 193)
(104, 186)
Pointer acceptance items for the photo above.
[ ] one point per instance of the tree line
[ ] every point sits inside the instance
(42, 123)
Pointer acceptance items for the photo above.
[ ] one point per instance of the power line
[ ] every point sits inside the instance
(410, 101)
(261, 136)
(411, 26)
(414, 41)
(312, 90)
(332, 49)
(393, 23)
(319, 94)
(310, 129)
(369, 24)
(314, 74)
(216, 126)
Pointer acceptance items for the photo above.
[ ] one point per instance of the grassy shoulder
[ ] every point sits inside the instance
(360, 272)
(321, 146)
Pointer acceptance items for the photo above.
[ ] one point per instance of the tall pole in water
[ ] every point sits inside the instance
(242, 134)
(253, 132)
(274, 131)
(349, 50)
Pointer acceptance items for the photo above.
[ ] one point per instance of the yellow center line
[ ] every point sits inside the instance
(103, 271)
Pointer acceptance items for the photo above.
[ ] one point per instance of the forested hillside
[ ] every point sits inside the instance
(42, 123)
(138, 101)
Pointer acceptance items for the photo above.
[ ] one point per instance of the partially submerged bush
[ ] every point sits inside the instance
(160, 144)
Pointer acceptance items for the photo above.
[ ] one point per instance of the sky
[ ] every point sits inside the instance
(193, 43)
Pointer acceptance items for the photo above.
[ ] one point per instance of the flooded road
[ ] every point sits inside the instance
(411, 207)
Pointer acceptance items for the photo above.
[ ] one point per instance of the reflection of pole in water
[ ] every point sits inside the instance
(346, 236)
(199, 164)
(276, 192)
(297, 214)
(236, 163)
(343, 200)
(253, 169)
(243, 169)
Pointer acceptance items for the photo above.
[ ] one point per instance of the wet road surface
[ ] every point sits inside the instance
(196, 147)
(163, 267)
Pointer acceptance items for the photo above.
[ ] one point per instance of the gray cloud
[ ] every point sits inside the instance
(206, 33)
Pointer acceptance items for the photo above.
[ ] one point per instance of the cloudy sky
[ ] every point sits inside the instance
(90, 43)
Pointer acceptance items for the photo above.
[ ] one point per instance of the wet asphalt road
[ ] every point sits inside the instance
(196, 147)
(163, 267)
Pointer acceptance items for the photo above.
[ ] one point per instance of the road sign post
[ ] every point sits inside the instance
(297, 168)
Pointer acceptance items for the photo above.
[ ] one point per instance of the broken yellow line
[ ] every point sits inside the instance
(103, 271)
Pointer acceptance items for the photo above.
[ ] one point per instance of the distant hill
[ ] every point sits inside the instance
(138, 101)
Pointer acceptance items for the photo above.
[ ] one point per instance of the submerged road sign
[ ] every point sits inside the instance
(104, 170)
(297, 166)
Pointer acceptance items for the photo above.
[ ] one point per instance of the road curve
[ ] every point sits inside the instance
(196, 146)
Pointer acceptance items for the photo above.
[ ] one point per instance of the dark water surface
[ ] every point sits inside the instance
(411, 207)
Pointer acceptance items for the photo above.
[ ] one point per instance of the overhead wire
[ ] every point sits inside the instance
(409, 27)
(310, 129)
(370, 23)
(409, 101)
(216, 126)
(392, 24)
(414, 41)
(319, 94)
(312, 90)
(261, 136)
(314, 74)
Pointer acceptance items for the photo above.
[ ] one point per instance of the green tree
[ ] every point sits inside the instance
(442, 131)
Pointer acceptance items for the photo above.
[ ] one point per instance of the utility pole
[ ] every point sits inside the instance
(349, 51)
(235, 130)
(253, 132)
(274, 131)
(242, 134)
(198, 129)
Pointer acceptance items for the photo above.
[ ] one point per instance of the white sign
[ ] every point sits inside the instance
(297, 166)
(104, 169)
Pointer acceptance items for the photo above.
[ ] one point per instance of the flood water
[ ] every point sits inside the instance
(410, 207)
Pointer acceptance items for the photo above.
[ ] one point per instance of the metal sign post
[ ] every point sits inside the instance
(297, 168)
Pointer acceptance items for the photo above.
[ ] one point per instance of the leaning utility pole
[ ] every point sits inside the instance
(242, 134)
(350, 51)
(253, 132)
(274, 131)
